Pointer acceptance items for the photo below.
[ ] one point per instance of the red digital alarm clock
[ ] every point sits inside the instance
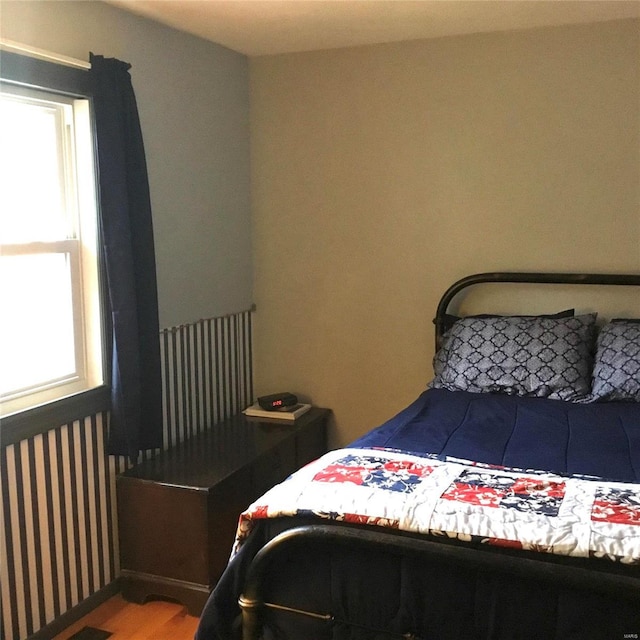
(277, 401)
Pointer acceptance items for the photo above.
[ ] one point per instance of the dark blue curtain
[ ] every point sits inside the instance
(129, 258)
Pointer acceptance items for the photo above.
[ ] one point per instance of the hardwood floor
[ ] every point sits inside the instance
(155, 620)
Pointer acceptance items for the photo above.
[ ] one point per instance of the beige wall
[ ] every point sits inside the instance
(381, 174)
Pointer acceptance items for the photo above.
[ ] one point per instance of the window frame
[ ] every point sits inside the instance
(74, 83)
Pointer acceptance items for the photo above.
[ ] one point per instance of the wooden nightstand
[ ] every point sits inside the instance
(177, 513)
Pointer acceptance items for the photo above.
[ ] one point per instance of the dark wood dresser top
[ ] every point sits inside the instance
(204, 460)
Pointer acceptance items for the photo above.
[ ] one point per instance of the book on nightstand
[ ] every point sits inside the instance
(284, 413)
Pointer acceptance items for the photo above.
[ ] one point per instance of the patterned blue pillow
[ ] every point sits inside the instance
(616, 371)
(440, 358)
(527, 356)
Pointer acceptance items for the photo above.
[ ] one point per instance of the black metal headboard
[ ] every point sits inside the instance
(518, 277)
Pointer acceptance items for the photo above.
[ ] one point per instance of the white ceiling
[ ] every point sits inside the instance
(265, 27)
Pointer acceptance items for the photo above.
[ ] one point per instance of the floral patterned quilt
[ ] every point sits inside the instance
(527, 509)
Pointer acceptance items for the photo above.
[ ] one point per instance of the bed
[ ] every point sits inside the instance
(504, 502)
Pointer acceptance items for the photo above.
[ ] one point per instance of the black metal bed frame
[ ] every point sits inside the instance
(273, 552)
(252, 601)
(524, 278)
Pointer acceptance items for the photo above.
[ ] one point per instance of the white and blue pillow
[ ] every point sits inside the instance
(616, 371)
(529, 356)
(440, 358)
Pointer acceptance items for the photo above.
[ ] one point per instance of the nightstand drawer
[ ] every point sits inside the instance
(312, 445)
(274, 466)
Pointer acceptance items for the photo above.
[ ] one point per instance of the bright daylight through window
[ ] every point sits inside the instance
(50, 324)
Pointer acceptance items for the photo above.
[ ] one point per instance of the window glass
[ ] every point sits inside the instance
(49, 304)
(33, 155)
(36, 284)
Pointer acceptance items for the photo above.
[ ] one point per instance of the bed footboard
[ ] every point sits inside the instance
(260, 606)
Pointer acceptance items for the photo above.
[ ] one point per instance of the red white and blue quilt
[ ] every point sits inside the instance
(526, 509)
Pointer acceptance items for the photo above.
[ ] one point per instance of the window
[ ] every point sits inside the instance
(50, 309)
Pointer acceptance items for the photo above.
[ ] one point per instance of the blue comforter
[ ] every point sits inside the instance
(601, 439)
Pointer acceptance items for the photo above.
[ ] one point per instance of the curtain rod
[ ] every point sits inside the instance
(17, 47)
